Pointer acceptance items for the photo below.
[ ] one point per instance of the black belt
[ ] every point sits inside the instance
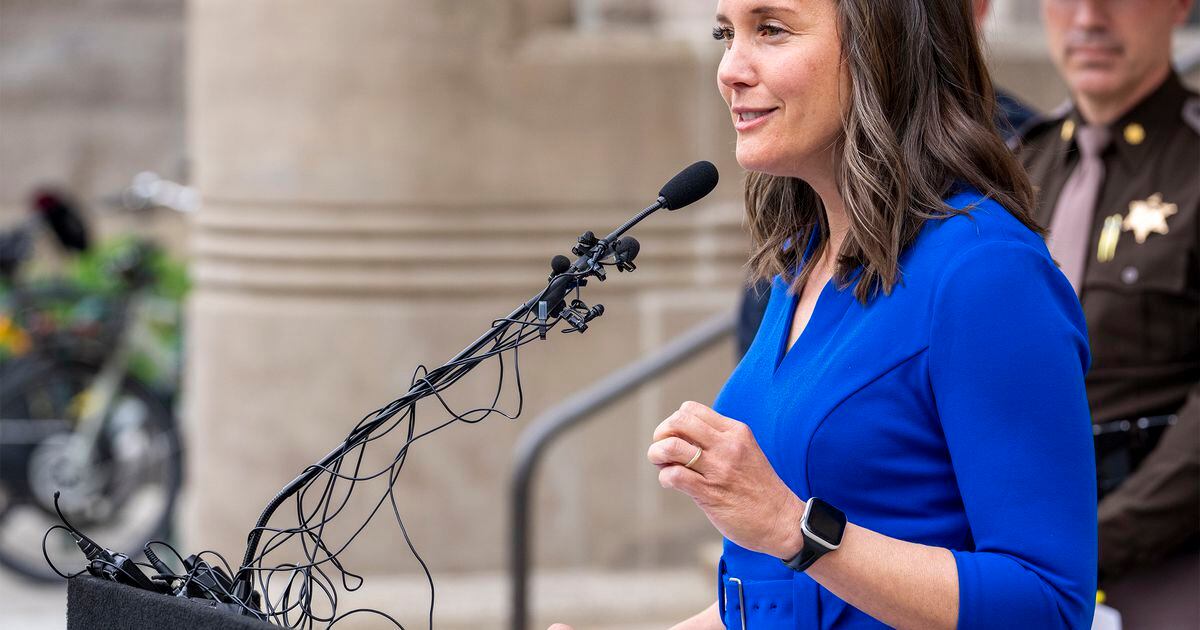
(1133, 426)
(1121, 446)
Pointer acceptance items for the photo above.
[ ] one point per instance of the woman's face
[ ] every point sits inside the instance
(783, 80)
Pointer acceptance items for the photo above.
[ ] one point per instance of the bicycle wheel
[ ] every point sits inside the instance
(119, 487)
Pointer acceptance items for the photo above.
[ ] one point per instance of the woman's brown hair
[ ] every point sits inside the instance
(920, 121)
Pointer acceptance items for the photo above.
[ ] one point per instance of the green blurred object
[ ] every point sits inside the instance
(80, 303)
(92, 271)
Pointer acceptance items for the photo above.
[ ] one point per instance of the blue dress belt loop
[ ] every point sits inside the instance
(741, 603)
(757, 604)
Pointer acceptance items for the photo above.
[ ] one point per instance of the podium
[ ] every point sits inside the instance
(95, 604)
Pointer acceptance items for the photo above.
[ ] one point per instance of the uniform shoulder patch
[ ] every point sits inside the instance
(1191, 113)
(1039, 124)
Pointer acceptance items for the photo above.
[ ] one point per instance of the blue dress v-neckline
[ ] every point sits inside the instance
(782, 351)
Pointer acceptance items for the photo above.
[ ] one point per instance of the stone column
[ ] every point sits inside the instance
(381, 179)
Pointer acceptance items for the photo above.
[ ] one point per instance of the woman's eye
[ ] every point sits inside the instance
(722, 33)
(770, 30)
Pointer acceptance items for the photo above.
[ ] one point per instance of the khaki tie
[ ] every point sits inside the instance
(1071, 226)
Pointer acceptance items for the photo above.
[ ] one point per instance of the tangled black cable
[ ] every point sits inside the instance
(310, 589)
(309, 595)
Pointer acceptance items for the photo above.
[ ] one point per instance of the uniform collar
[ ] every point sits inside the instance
(1141, 129)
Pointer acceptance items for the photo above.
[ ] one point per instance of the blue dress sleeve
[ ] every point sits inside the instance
(1007, 357)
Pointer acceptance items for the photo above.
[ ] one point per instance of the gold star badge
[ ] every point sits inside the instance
(1148, 216)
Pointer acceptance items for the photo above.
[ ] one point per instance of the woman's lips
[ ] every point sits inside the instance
(749, 119)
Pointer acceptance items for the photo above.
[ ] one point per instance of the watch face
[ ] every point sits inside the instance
(826, 521)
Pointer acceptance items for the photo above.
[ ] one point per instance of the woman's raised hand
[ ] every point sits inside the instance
(717, 462)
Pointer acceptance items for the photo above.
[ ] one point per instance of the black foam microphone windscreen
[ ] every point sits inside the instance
(626, 248)
(690, 185)
(559, 264)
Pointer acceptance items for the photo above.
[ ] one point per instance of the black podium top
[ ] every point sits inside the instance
(95, 604)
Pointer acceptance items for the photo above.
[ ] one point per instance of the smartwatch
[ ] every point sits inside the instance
(822, 528)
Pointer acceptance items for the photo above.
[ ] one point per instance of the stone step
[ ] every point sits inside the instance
(587, 599)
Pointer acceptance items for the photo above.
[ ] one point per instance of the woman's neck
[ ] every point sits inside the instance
(835, 219)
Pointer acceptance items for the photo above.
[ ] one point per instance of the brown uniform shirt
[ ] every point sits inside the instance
(1141, 298)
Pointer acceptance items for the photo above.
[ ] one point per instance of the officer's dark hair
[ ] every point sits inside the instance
(919, 123)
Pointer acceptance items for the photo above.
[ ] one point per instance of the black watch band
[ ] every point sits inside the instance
(822, 528)
(809, 554)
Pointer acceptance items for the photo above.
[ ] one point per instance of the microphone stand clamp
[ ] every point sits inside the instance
(586, 242)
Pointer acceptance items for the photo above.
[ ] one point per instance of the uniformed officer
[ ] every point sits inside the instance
(1118, 179)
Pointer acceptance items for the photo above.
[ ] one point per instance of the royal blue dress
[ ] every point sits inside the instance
(949, 413)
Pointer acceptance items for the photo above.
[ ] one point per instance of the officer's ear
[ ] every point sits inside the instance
(980, 9)
(1183, 8)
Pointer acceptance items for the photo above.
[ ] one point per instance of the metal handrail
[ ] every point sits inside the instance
(533, 442)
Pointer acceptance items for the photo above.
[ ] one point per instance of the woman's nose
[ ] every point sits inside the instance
(736, 69)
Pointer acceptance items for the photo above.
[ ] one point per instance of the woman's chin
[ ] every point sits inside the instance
(766, 162)
(765, 168)
(757, 163)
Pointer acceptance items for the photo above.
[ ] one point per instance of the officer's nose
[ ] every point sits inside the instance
(1091, 15)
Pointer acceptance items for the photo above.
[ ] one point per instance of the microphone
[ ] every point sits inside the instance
(556, 294)
(689, 186)
(559, 265)
(624, 251)
(553, 300)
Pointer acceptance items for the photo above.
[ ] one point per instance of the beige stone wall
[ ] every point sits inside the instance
(91, 92)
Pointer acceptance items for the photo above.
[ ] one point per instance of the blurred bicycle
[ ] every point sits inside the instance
(80, 411)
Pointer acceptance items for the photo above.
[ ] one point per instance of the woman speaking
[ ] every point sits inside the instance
(907, 441)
